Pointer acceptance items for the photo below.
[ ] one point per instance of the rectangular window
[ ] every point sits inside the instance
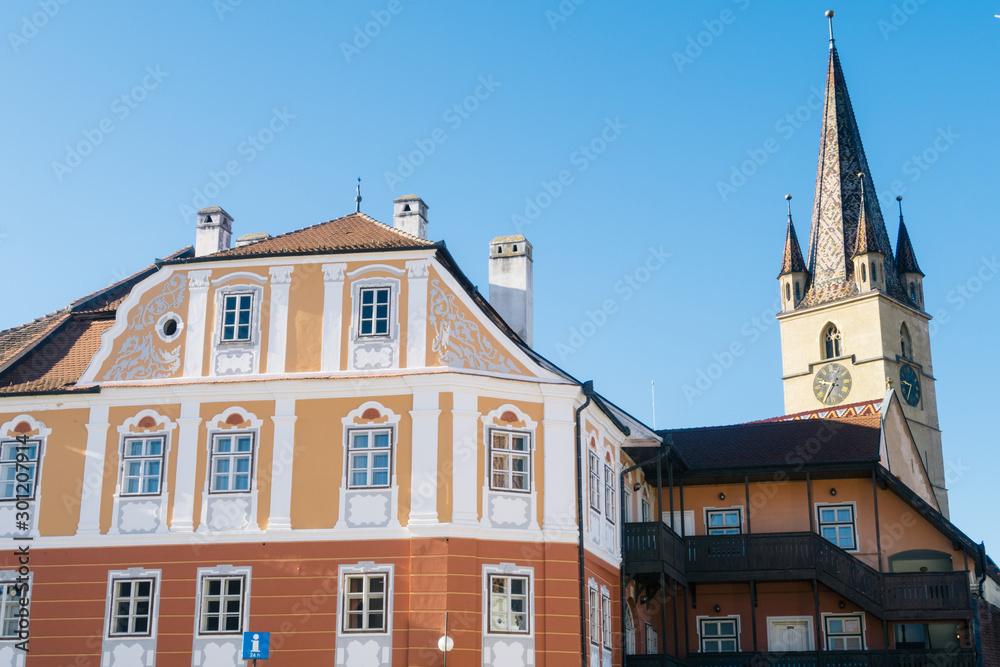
(18, 469)
(510, 456)
(718, 635)
(609, 493)
(374, 317)
(724, 522)
(369, 452)
(595, 482)
(142, 466)
(836, 523)
(10, 603)
(364, 602)
(606, 620)
(509, 604)
(232, 462)
(222, 605)
(652, 645)
(843, 633)
(645, 510)
(237, 315)
(131, 606)
(595, 616)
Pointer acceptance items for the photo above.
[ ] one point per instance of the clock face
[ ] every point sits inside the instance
(909, 384)
(832, 384)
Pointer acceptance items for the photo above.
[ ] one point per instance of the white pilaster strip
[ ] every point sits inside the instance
(416, 313)
(281, 464)
(93, 471)
(424, 480)
(277, 330)
(187, 460)
(559, 504)
(194, 341)
(333, 306)
(465, 469)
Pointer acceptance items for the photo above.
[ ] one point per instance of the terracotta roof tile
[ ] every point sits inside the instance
(769, 444)
(15, 339)
(791, 259)
(59, 361)
(356, 231)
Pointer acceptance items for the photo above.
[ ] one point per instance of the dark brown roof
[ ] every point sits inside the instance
(356, 231)
(17, 338)
(791, 259)
(906, 260)
(60, 361)
(769, 444)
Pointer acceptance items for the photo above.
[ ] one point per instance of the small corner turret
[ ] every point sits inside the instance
(869, 261)
(794, 276)
(910, 275)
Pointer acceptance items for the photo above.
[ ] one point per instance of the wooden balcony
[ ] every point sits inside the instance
(648, 547)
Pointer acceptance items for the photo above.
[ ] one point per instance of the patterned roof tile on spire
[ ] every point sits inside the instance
(865, 240)
(791, 259)
(837, 206)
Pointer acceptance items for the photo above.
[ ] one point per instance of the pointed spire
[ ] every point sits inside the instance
(357, 198)
(906, 260)
(829, 15)
(865, 240)
(837, 209)
(791, 260)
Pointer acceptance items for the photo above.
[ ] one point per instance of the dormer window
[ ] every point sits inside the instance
(374, 316)
(237, 316)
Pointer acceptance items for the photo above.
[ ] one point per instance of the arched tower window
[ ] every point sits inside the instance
(833, 342)
(913, 292)
(864, 275)
(905, 342)
(798, 294)
(788, 292)
(874, 274)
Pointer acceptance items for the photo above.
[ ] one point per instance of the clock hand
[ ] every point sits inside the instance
(828, 391)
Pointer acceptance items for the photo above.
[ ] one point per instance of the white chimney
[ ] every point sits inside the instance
(510, 283)
(409, 214)
(214, 231)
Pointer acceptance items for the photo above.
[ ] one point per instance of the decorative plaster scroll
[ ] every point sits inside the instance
(198, 279)
(363, 654)
(140, 357)
(334, 272)
(281, 275)
(139, 517)
(368, 509)
(508, 510)
(373, 357)
(458, 341)
(417, 268)
(228, 363)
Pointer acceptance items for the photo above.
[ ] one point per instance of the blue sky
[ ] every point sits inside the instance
(607, 133)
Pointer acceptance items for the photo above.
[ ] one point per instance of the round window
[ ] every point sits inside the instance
(170, 327)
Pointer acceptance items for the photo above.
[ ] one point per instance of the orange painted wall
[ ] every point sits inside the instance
(305, 319)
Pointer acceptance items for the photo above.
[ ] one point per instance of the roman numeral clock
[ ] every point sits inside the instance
(832, 384)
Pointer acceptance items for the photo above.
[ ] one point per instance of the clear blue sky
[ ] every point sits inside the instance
(682, 92)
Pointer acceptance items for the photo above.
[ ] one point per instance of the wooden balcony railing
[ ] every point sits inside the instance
(650, 546)
(902, 658)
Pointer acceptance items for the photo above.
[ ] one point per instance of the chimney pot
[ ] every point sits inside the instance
(409, 214)
(213, 232)
(511, 283)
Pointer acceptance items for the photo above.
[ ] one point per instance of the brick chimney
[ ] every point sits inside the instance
(214, 231)
(409, 214)
(511, 283)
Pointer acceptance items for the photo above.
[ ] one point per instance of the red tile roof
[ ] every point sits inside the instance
(356, 231)
(60, 361)
(768, 444)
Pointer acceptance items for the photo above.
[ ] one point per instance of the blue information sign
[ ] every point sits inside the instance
(256, 645)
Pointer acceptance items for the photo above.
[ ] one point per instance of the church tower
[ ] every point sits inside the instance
(858, 327)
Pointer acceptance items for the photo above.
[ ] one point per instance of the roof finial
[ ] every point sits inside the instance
(357, 199)
(899, 200)
(788, 199)
(861, 177)
(829, 15)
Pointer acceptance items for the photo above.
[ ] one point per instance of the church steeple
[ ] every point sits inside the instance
(869, 265)
(794, 276)
(837, 207)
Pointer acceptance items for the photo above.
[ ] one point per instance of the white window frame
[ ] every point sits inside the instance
(364, 568)
(509, 454)
(233, 457)
(651, 640)
(129, 430)
(629, 622)
(492, 497)
(508, 570)
(219, 424)
(680, 520)
(225, 574)
(11, 467)
(594, 613)
(854, 522)
(645, 510)
(606, 618)
(10, 604)
(37, 431)
(609, 493)
(375, 290)
(361, 285)
(701, 620)
(133, 575)
(594, 476)
(370, 452)
(718, 510)
(509, 597)
(11, 577)
(253, 313)
(827, 617)
(143, 459)
(628, 500)
(366, 595)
